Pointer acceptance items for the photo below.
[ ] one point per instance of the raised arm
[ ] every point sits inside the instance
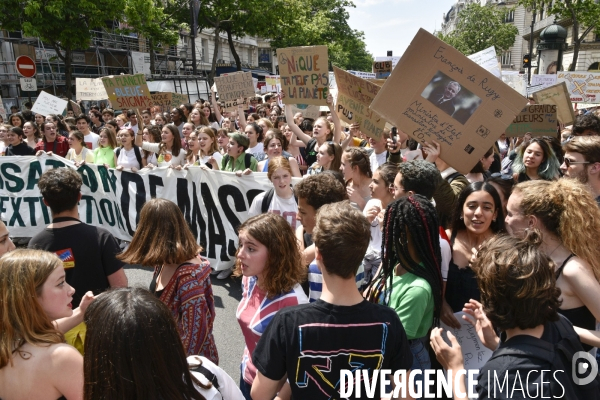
(337, 131)
(213, 100)
(242, 118)
(289, 117)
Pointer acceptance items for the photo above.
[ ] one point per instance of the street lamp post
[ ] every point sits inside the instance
(531, 47)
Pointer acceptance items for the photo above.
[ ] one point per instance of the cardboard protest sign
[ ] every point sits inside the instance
(537, 119)
(163, 99)
(539, 82)
(475, 354)
(48, 104)
(308, 111)
(584, 87)
(235, 86)
(437, 94)
(232, 105)
(90, 89)
(361, 74)
(354, 98)
(394, 60)
(557, 95)
(178, 99)
(304, 74)
(2, 110)
(487, 60)
(273, 83)
(75, 107)
(127, 91)
(382, 69)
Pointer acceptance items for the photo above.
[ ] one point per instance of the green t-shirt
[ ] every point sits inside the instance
(227, 163)
(413, 301)
(104, 155)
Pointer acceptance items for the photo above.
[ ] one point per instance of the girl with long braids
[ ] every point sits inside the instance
(410, 278)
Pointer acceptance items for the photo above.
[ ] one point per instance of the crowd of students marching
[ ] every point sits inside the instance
(380, 232)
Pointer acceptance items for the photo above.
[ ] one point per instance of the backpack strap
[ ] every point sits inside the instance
(138, 155)
(248, 159)
(226, 158)
(118, 151)
(267, 200)
(209, 375)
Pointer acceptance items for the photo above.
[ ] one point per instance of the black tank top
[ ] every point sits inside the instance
(580, 316)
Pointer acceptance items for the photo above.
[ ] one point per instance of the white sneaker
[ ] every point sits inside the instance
(225, 273)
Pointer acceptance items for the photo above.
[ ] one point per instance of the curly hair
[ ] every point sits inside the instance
(60, 188)
(517, 283)
(342, 235)
(23, 320)
(320, 189)
(420, 177)
(284, 268)
(549, 168)
(587, 122)
(358, 157)
(567, 209)
(410, 221)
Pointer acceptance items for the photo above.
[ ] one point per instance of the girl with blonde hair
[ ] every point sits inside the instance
(35, 311)
(568, 219)
(202, 145)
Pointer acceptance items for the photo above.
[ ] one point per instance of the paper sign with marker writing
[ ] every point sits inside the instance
(474, 352)
(539, 82)
(304, 74)
(178, 99)
(361, 74)
(437, 94)
(127, 91)
(557, 95)
(48, 104)
(354, 98)
(584, 87)
(235, 86)
(90, 89)
(487, 59)
(516, 81)
(382, 69)
(273, 83)
(163, 99)
(538, 120)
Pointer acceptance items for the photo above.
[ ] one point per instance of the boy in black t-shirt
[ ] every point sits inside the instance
(88, 252)
(311, 343)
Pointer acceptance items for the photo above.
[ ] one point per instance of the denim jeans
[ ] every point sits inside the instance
(421, 359)
(245, 387)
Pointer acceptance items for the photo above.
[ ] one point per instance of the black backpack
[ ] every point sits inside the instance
(247, 159)
(559, 355)
(136, 150)
(264, 207)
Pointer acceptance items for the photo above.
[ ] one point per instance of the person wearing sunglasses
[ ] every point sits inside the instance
(582, 162)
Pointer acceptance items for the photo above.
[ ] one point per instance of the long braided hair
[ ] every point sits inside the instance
(411, 218)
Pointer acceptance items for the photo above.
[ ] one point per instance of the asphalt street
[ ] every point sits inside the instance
(227, 294)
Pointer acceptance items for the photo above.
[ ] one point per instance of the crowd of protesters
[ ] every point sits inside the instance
(359, 263)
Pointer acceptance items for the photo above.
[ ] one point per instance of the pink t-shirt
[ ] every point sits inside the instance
(254, 314)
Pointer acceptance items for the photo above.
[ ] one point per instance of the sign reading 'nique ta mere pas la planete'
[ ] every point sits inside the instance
(304, 74)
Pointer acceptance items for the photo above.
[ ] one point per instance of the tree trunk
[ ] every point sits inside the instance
(213, 67)
(238, 62)
(152, 56)
(68, 72)
(576, 44)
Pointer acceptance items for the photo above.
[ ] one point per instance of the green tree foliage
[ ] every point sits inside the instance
(64, 24)
(325, 22)
(480, 27)
(584, 15)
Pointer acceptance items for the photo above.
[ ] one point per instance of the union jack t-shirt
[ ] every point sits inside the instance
(255, 313)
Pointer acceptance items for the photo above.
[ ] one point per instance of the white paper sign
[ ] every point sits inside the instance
(28, 84)
(90, 89)
(140, 62)
(487, 60)
(474, 352)
(540, 82)
(516, 81)
(48, 104)
(364, 75)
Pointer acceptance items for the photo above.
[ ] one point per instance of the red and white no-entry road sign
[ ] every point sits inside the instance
(25, 66)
